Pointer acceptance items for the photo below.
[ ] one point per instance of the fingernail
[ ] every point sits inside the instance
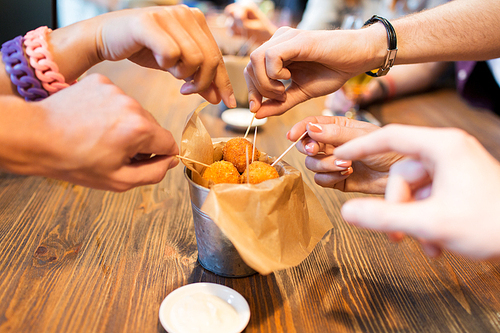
(396, 237)
(342, 163)
(315, 128)
(309, 148)
(348, 171)
(423, 193)
(187, 88)
(232, 101)
(251, 105)
(288, 135)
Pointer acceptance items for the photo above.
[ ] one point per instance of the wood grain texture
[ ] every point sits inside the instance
(74, 259)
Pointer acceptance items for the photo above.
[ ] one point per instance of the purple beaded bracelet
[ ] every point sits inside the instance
(21, 74)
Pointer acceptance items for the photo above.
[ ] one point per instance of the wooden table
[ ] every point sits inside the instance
(73, 259)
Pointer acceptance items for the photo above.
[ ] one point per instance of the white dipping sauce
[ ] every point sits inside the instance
(203, 313)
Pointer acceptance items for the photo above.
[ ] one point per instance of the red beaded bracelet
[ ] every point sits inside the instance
(41, 60)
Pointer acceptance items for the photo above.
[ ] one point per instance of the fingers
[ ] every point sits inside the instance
(407, 140)
(430, 249)
(300, 127)
(336, 130)
(326, 163)
(308, 146)
(415, 218)
(332, 133)
(266, 85)
(183, 45)
(160, 142)
(404, 176)
(148, 32)
(324, 133)
(413, 174)
(199, 51)
(266, 68)
(272, 107)
(395, 219)
(348, 129)
(397, 189)
(150, 171)
(180, 25)
(143, 171)
(396, 236)
(332, 179)
(254, 97)
(220, 82)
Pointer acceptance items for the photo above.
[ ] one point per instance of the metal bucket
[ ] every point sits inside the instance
(216, 253)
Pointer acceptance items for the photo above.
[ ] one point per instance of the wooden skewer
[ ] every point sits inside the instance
(254, 139)
(248, 129)
(286, 151)
(190, 160)
(248, 169)
(243, 51)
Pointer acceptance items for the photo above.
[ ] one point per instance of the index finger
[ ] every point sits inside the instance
(348, 128)
(221, 78)
(301, 127)
(404, 139)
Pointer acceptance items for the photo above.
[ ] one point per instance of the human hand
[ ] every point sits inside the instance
(317, 62)
(325, 134)
(444, 195)
(246, 19)
(339, 102)
(96, 140)
(373, 92)
(173, 38)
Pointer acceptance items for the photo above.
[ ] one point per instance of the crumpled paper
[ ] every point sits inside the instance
(274, 225)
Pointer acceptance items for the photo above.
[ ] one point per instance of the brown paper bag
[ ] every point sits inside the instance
(275, 224)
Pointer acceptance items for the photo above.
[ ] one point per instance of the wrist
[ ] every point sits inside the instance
(356, 51)
(375, 38)
(74, 48)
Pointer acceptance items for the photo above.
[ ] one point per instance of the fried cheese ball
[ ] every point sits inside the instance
(234, 151)
(222, 172)
(259, 172)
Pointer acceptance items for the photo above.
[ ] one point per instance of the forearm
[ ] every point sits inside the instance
(458, 30)
(74, 47)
